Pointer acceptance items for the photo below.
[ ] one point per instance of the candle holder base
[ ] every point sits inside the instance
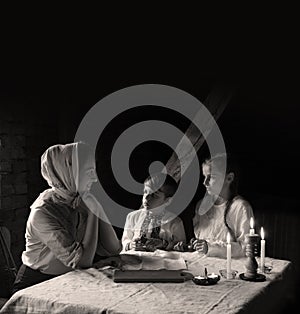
(202, 281)
(257, 278)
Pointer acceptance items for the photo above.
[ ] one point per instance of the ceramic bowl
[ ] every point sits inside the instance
(223, 273)
(267, 269)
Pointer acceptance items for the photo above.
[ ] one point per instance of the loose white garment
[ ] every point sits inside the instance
(171, 230)
(210, 226)
(61, 232)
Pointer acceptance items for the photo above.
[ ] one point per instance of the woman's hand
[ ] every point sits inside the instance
(200, 245)
(130, 259)
(114, 261)
(118, 261)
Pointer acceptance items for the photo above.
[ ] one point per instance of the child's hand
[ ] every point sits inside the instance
(183, 247)
(179, 246)
(152, 244)
(137, 245)
(200, 245)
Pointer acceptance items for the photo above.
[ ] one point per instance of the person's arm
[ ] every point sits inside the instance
(90, 240)
(107, 245)
(219, 249)
(238, 218)
(128, 233)
(242, 222)
(108, 242)
(177, 232)
(59, 240)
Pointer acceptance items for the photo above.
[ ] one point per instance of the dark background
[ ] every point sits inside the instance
(259, 125)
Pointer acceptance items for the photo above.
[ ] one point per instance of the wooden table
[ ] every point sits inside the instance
(91, 291)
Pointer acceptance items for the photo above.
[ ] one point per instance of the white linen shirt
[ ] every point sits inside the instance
(210, 226)
(171, 229)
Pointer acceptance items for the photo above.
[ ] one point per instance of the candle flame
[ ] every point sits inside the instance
(228, 237)
(262, 233)
(251, 223)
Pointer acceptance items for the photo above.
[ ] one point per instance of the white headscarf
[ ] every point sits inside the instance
(59, 167)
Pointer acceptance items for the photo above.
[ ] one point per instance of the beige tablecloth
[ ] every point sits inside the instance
(91, 291)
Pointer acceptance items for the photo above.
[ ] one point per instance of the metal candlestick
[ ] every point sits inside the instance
(251, 263)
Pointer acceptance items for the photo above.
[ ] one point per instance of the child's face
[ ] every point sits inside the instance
(153, 199)
(212, 181)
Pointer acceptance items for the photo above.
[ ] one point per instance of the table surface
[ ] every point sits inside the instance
(91, 291)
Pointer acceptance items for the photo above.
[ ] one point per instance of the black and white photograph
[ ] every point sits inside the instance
(149, 180)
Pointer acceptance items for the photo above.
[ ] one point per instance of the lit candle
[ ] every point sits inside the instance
(252, 226)
(228, 257)
(205, 272)
(262, 249)
(199, 277)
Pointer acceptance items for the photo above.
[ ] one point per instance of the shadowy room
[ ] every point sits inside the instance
(259, 126)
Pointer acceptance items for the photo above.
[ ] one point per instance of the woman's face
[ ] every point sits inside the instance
(87, 175)
(213, 181)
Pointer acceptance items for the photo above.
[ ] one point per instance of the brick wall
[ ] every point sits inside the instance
(25, 132)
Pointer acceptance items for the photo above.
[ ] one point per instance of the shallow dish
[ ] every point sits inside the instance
(207, 280)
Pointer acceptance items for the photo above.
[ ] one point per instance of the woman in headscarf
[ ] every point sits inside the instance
(63, 230)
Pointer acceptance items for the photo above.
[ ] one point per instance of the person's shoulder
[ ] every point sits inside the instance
(41, 213)
(136, 213)
(40, 218)
(198, 203)
(240, 203)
